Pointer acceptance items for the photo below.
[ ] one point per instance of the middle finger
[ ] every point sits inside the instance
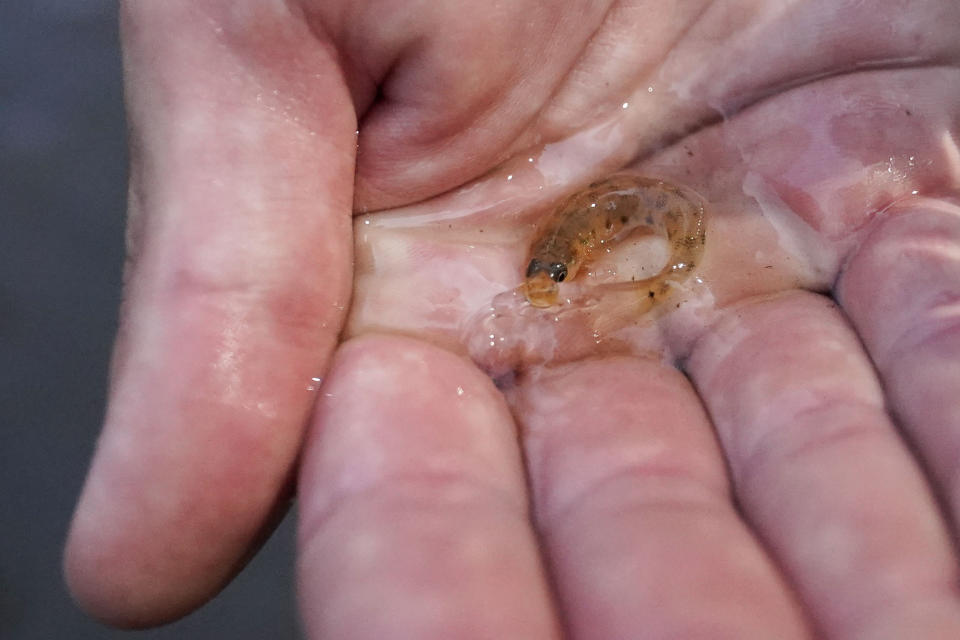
(631, 498)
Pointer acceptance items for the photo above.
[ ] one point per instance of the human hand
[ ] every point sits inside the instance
(414, 501)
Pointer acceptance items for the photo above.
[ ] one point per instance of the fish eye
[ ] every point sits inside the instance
(558, 271)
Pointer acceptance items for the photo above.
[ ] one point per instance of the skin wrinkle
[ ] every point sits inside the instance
(560, 85)
(923, 337)
(720, 330)
(560, 125)
(419, 125)
(660, 465)
(423, 487)
(711, 118)
(676, 489)
(879, 248)
(813, 445)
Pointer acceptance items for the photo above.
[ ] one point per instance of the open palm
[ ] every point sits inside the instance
(799, 479)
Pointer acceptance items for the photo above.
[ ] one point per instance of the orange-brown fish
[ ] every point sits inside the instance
(605, 213)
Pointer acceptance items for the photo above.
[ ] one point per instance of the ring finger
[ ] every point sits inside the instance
(821, 473)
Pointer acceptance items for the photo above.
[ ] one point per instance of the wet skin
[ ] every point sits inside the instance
(823, 338)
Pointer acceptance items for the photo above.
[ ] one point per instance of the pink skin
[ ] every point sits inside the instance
(423, 514)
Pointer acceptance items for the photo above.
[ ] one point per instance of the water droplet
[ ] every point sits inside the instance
(510, 177)
(366, 222)
(459, 391)
(914, 192)
(649, 89)
(530, 159)
(625, 105)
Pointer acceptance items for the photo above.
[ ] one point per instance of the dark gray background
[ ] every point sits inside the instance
(62, 190)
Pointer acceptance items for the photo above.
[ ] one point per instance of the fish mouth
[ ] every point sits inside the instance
(540, 290)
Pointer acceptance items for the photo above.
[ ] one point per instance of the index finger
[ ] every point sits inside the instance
(241, 187)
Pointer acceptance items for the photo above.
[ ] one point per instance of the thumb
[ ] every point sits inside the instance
(242, 136)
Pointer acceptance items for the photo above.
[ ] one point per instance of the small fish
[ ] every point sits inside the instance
(605, 213)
